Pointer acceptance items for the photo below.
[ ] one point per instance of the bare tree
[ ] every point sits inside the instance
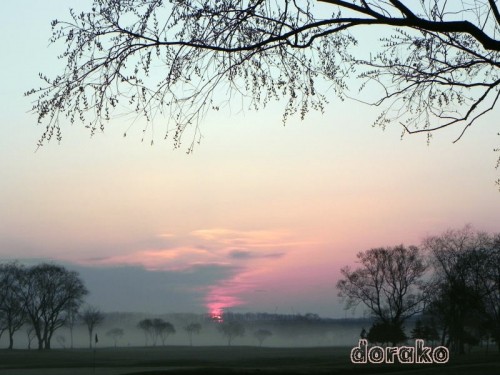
(425, 330)
(3, 324)
(146, 325)
(161, 330)
(437, 64)
(490, 281)
(192, 328)
(261, 335)
(231, 330)
(91, 317)
(71, 320)
(115, 334)
(30, 335)
(466, 298)
(12, 311)
(48, 291)
(389, 282)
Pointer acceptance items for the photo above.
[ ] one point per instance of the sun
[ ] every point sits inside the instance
(216, 314)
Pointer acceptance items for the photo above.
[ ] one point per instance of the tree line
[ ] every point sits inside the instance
(451, 283)
(157, 329)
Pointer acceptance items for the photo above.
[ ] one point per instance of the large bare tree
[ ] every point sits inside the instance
(437, 64)
(466, 285)
(48, 292)
(12, 311)
(389, 282)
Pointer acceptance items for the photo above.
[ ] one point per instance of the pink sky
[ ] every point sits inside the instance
(279, 209)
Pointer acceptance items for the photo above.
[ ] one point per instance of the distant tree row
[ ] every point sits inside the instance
(44, 296)
(235, 328)
(270, 317)
(452, 283)
(231, 329)
(156, 330)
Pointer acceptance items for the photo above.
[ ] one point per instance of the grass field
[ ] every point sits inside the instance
(224, 360)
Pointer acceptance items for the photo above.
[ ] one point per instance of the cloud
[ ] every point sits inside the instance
(240, 238)
(161, 259)
(132, 288)
(220, 246)
(224, 266)
(226, 294)
(228, 239)
(247, 254)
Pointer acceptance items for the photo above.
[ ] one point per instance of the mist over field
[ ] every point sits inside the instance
(286, 331)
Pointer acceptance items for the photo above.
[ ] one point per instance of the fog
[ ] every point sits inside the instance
(287, 331)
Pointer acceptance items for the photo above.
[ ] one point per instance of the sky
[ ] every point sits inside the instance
(261, 217)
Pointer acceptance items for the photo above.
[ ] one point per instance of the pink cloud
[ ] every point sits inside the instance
(252, 238)
(256, 256)
(161, 259)
(228, 293)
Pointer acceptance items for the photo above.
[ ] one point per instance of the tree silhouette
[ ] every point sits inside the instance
(384, 333)
(192, 328)
(231, 330)
(161, 330)
(466, 285)
(425, 331)
(48, 291)
(490, 281)
(30, 335)
(261, 335)
(389, 282)
(91, 317)
(436, 66)
(71, 319)
(115, 334)
(146, 325)
(12, 310)
(363, 333)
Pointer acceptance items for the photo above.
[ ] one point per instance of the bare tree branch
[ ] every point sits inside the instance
(438, 62)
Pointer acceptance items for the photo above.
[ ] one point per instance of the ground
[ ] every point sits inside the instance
(224, 360)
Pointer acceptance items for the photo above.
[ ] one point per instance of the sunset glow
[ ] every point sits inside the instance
(260, 217)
